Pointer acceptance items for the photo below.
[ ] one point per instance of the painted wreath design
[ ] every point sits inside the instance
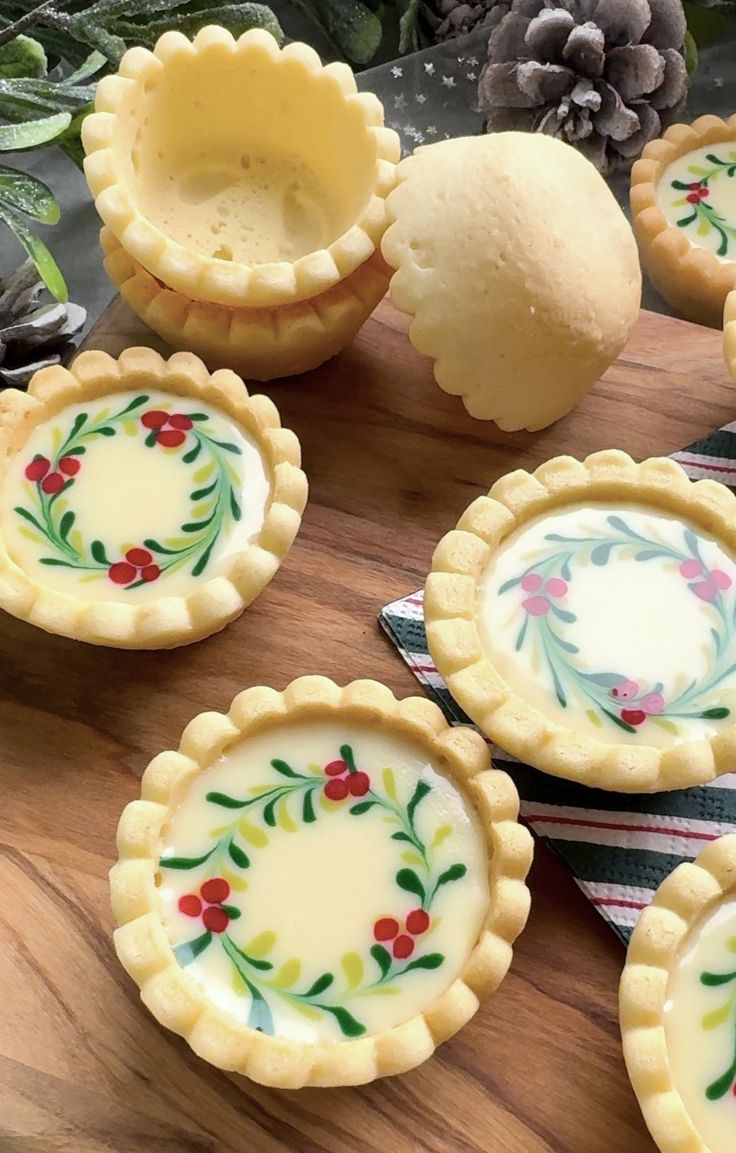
(186, 435)
(726, 1014)
(615, 696)
(396, 937)
(697, 193)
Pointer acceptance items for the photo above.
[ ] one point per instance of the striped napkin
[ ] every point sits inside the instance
(619, 847)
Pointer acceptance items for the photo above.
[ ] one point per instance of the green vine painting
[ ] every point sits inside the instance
(724, 1016)
(395, 945)
(50, 519)
(701, 212)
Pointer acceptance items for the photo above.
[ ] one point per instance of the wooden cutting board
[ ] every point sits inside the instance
(392, 462)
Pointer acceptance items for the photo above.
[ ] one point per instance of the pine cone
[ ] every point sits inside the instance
(32, 336)
(446, 19)
(605, 75)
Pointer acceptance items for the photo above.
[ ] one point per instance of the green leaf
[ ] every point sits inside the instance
(349, 1025)
(193, 453)
(260, 1017)
(354, 28)
(185, 862)
(429, 961)
(232, 911)
(420, 793)
(235, 508)
(201, 564)
(362, 807)
(236, 854)
(189, 951)
(308, 813)
(319, 985)
(454, 873)
(408, 880)
(30, 518)
(97, 549)
(382, 957)
(347, 755)
(282, 767)
(716, 714)
(201, 493)
(712, 980)
(66, 524)
(225, 801)
(22, 57)
(402, 837)
(18, 137)
(269, 812)
(722, 1086)
(44, 262)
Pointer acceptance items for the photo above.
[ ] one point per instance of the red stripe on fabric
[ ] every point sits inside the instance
(544, 819)
(424, 668)
(619, 902)
(701, 464)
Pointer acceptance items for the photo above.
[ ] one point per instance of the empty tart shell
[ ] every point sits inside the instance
(239, 173)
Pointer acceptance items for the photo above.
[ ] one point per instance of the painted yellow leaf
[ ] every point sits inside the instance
(718, 1016)
(56, 440)
(259, 790)
(411, 858)
(703, 228)
(307, 1011)
(29, 534)
(201, 509)
(177, 541)
(88, 578)
(130, 427)
(204, 473)
(287, 975)
(593, 717)
(697, 170)
(441, 834)
(325, 803)
(76, 540)
(679, 202)
(218, 831)
(261, 945)
(239, 884)
(731, 944)
(252, 834)
(101, 417)
(382, 991)
(237, 981)
(352, 967)
(315, 769)
(389, 783)
(665, 724)
(284, 817)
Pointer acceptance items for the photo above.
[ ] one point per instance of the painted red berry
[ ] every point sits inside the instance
(531, 582)
(190, 905)
(179, 420)
(720, 579)
(171, 438)
(633, 716)
(121, 573)
(154, 419)
(358, 784)
(403, 947)
(336, 768)
(37, 469)
(52, 483)
(536, 606)
(138, 557)
(556, 587)
(417, 922)
(693, 198)
(70, 465)
(150, 573)
(704, 191)
(691, 568)
(386, 928)
(216, 890)
(215, 919)
(336, 789)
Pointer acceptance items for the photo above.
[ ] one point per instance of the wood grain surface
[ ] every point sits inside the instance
(392, 461)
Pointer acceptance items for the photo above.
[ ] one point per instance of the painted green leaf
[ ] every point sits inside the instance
(420, 792)
(261, 945)
(242, 959)
(201, 493)
(389, 784)
(717, 1017)
(189, 951)
(227, 446)
(232, 911)
(454, 873)
(269, 812)
(30, 518)
(408, 880)
(353, 968)
(287, 975)
(66, 524)
(201, 564)
(323, 982)
(185, 862)
(509, 584)
(235, 508)
(260, 1017)
(716, 714)
(346, 752)
(198, 416)
(349, 1025)
(713, 980)
(382, 957)
(722, 1086)
(308, 813)
(429, 961)
(600, 554)
(362, 807)
(238, 856)
(97, 549)
(282, 767)
(225, 801)
(192, 454)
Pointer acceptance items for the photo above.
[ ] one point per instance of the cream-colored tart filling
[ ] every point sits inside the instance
(615, 621)
(323, 881)
(697, 193)
(700, 1026)
(131, 497)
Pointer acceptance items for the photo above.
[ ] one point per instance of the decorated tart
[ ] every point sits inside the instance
(583, 617)
(317, 888)
(678, 1006)
(239, 173)
(259, 343)
(683, 206)
(143, 502)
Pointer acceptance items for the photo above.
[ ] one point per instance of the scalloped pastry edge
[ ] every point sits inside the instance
(679, 903)
(206, 278)
(456, 646)
(170, 994)
(692, 281)
(168, 621)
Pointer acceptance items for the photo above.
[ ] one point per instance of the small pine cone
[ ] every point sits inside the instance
(605, 75)
(32, 335)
